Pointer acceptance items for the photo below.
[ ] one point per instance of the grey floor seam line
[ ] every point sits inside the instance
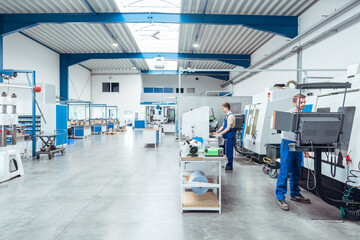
(303, 212)
(93, 198)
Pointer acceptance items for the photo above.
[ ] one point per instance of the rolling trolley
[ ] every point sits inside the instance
(271, 165)
(49, 144)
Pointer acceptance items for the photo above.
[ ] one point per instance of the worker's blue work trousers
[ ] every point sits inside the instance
(230, 141)
(290, 163)
(229, 150)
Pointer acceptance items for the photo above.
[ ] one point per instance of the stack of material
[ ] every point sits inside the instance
(121, 128)
(99, 121)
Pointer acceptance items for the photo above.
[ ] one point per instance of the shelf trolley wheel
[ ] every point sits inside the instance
(265, 170)
(273, 173)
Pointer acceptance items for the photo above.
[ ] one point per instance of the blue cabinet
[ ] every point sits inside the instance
(139, 124)
(61, 122)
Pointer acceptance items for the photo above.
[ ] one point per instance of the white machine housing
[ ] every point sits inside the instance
(10, 160)
(258, 130)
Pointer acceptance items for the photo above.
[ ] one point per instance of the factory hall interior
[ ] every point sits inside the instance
(179, 119)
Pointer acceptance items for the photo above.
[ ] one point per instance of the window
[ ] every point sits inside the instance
(228, 94)
(110, 87)
(114, 87)
(158, 90)
(106, 87)
(177, 90)
(191, 90)
(148, 90)
(168, 90)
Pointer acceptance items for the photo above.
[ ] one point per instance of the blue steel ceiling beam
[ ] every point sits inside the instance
(240, 59)
(282, 25)
(89, 6)
(85, 67)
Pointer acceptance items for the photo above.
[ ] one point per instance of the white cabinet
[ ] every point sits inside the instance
(150, 136)
(169, 128)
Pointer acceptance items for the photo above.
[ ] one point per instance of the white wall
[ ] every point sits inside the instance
(201, 86)
(22, 53)
(337, 51)
(127, 99)
(79, 83)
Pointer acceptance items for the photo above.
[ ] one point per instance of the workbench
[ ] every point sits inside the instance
(150, 136)
(211, 166)
(99, 128)
(113, 126)
(81, 131)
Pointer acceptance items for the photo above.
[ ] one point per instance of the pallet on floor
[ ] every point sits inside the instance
(111, 133)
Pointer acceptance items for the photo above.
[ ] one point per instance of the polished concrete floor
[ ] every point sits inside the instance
(111, 187)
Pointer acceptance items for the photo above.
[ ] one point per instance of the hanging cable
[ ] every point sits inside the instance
(333, 165)
(353, 210)
(312, 172)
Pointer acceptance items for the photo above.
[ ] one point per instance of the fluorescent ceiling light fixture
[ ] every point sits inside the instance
(156, 65)
(153, 37)
(168, 6)
(195, 45)
(115, 44)
(133, 67)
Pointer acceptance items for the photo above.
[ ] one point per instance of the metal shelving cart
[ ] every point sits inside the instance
(209, 201)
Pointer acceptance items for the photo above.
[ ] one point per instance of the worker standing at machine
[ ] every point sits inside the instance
(228, 133)
(290, 162)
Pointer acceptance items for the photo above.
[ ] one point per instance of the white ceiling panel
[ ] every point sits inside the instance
(115, 64)
(221, 39)
(246, 7)
(43, 6)
(82, 38)
(205, 64)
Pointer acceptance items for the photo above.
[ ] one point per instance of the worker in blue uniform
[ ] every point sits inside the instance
(228, 133)
(290, 163)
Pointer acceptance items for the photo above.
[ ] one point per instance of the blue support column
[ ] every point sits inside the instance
(64, 77)
(1, 55)
(33, 118)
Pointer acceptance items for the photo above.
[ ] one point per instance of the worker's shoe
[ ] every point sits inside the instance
(299, 198)
(227, 167)
(283, 205)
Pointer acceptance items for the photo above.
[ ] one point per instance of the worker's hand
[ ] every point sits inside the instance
(216, 133)
(306, 154)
